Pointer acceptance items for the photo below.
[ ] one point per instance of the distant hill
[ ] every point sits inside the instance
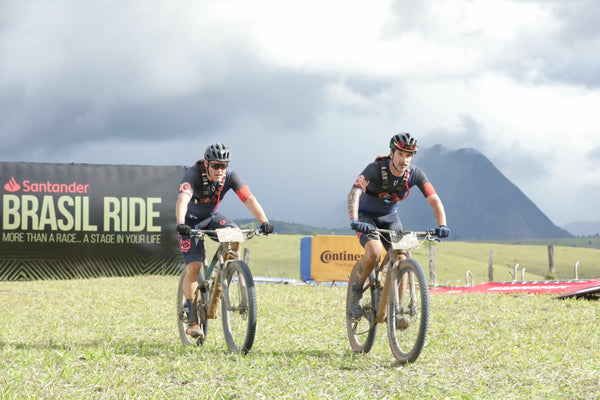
(480, 202)
(582, 228)
(290, 228)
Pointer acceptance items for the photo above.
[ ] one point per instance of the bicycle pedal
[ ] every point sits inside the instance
(203, 285)
(402, 324)
(195, 333)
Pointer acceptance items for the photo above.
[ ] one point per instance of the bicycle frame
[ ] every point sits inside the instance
(227, 280)
(401, 242)
(396, 293)
(225, 237)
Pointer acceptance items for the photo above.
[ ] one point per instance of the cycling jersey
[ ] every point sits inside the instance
(206, 194)
(377, 200)
(202, 210)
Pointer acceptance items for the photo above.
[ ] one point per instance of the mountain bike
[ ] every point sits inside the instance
(395, 292)
(229, 279)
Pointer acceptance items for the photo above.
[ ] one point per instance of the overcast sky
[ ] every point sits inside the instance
(306, 93)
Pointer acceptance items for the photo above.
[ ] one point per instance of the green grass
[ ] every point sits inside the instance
(114, 338)
(279, 255)
(585, 241)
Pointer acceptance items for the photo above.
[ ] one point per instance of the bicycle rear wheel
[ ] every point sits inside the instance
(238, 305)
(408, 311)
(361, 330)
(183, 315)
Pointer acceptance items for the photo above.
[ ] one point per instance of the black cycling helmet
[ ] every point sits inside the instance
(404, 142)
(217, 152)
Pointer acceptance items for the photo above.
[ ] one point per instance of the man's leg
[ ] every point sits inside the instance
(190, 284)
(360, 273)
(369, 260)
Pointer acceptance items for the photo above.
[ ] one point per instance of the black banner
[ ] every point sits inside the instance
(63, 221)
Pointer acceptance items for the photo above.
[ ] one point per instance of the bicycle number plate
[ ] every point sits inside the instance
(405, 242)
(230, 235)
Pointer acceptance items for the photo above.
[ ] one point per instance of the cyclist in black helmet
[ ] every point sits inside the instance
(202, 188)
(373, 200)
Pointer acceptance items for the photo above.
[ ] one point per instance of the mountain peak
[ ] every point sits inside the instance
(480, 202)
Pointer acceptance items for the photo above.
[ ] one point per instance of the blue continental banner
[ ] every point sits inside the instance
(63, 221)
(328, 258)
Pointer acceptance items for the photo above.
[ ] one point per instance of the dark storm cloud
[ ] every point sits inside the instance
(277, 100)
(565, 50)
(469, 135)
(71, 75)
(368, 86)
(507, 154)
(578, 59)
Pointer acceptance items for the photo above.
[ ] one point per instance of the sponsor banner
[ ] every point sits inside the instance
(80, 214)
(326, 258)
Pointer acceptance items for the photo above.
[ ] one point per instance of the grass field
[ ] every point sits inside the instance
(279, 255)
(115, 338)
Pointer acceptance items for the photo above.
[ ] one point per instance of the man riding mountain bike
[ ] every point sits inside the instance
(202, 188)
(373, 202)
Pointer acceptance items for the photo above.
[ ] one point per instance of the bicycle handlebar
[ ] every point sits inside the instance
(248, 233)
(430, 232)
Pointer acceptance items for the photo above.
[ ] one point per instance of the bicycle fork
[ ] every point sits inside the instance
(406, 287)
(221, 288)
(385, 295)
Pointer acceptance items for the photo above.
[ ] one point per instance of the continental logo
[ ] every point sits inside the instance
(329, 256)
(45, 187)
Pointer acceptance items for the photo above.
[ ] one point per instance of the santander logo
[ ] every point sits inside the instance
(12, 185)
(46, 187)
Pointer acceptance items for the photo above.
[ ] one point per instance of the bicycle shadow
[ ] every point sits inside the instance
(348, 359)
(301, 353)
(139, 348)
(366, 361)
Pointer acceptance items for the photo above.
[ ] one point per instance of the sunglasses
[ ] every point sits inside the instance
(218, 165)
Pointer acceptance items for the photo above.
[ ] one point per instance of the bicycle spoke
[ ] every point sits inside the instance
(239, 307)
(408, 312)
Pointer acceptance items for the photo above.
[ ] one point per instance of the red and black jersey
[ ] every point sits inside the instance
(206, 194)
(382, 191)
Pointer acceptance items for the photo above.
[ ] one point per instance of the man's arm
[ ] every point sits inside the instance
(181, 206)
(438, 209)
(353, 199)
(256, 209)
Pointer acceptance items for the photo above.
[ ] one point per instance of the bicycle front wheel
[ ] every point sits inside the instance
(408, 311)
(238, 305)
(361, 330)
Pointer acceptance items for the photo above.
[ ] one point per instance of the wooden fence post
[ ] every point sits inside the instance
(491, 266)
(432, 277)
(551, 259)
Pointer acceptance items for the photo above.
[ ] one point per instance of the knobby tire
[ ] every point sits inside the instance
(361, 333)
(408, 319)
(238, 305)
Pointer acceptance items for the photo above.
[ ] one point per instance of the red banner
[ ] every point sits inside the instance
(541, 287)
